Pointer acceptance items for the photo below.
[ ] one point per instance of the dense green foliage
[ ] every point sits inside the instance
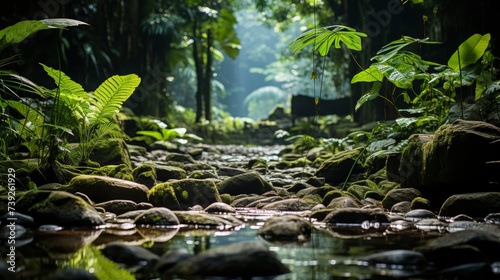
(46, 119)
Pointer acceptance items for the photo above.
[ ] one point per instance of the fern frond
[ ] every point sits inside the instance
(111, 94)
(71, 93)
(64, 82)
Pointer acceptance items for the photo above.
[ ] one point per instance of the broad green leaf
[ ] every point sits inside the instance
(372, 94)
(323, 39)
(425, 120)
(406, 122)
(18, 32)
(155, 134)
(372, 74)
(401, 76)
(470, 51)
(193, 137)
(169, 134)
(391, 49)
(380, 144)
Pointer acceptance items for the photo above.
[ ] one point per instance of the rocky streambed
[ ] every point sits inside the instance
(431, 211)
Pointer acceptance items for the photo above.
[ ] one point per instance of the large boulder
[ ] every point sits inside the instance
(59, 208)
(185, 193)
(456, 156)
(101, 188)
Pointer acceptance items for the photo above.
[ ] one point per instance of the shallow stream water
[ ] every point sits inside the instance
(330, 253)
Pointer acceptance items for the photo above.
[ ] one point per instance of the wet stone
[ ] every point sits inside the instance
(419, 214)
(219, 207)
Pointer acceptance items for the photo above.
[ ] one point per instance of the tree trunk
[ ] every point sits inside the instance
(199, 71)
(208, 77)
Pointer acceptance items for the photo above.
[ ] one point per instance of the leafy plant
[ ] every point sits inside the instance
(27, 129)
(437, 88)
(90, 114)
(177, 135)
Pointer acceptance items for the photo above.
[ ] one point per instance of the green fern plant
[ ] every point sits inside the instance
(90, 114)
(26, 130)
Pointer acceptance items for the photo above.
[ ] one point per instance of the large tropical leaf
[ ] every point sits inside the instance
(111, 94)
(469, 52)
(371, 74)
(18, 32)
(391, 49)
(323, 39)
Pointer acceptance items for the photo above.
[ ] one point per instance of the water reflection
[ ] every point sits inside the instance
(330, 253)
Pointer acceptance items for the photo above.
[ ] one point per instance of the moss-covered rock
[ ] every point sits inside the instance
(121, 171)
(203, 174)
(456, 158)
(410, 166)
(291, 204)
(327, 198)
(257, 163)
(398, 195)
(359, 191)
(246, 183)
(179, 157)
(157, 216)
(300, 162)
(286, 228)
(226, 198)
(102, 188)
(111, 152)
(420, 203)
(170, 172)
(355, 215)
(185, 193)
(345, 201)
(145, 174)
(385, 186)
(336, 169)
(59, 208)
(206, 219)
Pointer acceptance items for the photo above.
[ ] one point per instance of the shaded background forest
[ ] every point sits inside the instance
(216, 54)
